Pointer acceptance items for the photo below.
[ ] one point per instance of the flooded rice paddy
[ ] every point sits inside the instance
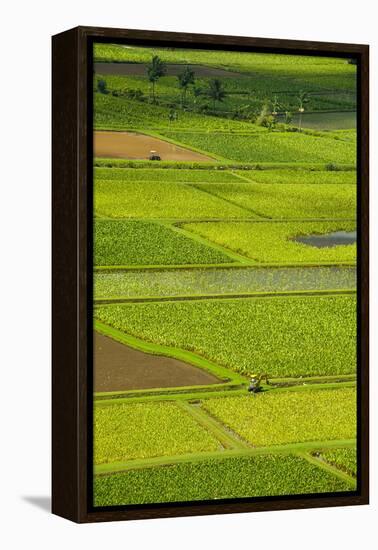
(338, 120)
(196, 282)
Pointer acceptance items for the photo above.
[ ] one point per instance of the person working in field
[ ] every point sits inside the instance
(255, 383)
(253, 386)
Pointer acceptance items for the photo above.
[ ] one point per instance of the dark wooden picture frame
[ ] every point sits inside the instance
(72, 278)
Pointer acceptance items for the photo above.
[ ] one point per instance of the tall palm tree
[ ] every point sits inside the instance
(155, 70)
(215, 91)
(185, 79)
(302, 99)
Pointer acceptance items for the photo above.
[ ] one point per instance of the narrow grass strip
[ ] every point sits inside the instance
(106, 399)
(225, 436)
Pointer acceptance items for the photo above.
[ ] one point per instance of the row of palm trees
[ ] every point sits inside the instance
(215, 90)
(157, 68)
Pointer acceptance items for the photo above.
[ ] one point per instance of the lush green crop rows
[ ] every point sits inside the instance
(142, 430)
(116, 113)
(290, 200)
(273, 241)
(189, 282)
(296, 336)
(289, 417)
(162, 175)
(282, 336)
(299, 176)
(244, 90)
(121, 199)
(121, 242)
(270, 147)
(214, 479)
(343, 459)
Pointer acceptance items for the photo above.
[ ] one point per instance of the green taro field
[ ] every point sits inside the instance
(211, 275)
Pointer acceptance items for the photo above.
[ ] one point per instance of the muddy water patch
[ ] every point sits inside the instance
(337, 120)
(136, 146)
(337, 238)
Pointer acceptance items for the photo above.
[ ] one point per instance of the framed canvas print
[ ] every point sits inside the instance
(210, 274)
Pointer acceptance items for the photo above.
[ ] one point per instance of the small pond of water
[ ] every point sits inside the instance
(336, 238)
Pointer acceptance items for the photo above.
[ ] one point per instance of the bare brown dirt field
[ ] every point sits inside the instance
(173, 69)
(119, 368)
(131, 145)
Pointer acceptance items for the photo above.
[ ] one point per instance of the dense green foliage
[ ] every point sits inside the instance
(269, 74)
(270, 146)
(343, 459)
(290, 200)
(189, 282)
(119, 242)
(289, 417)
(274, 241)
(120, 113)
(243, 92)
(141, 430)
(266, 475)
(117, 198)
(282, 336)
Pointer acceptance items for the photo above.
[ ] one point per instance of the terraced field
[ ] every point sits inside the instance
(290, 417)
(292, 201)
(263, 147)
(119, 242)
(285, 336)
(123, 432)
(274, 242)
(117, 199)
(198, 263)
(214, 479)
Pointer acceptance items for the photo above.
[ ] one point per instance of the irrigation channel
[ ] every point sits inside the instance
(169, 283)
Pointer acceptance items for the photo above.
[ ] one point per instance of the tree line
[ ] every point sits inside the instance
(215, 92)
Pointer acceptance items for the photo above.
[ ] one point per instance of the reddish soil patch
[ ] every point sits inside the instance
(173, 69)
(119, 368)
(131, 145)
